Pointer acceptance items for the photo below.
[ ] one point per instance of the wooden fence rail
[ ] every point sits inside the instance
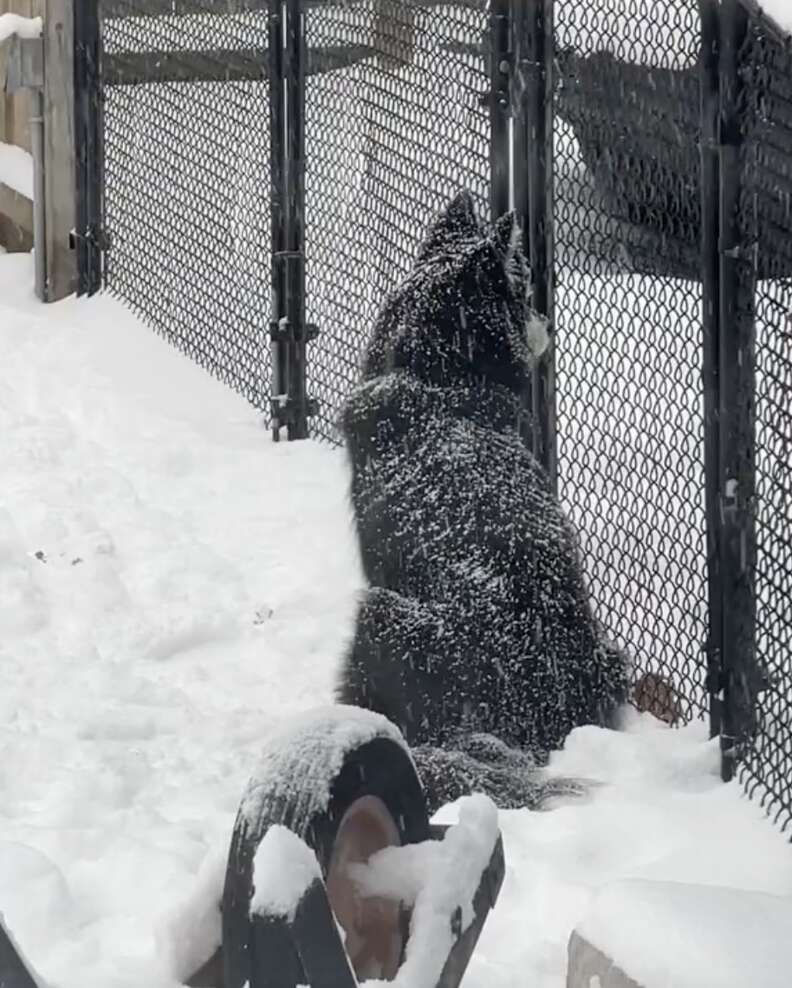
(41, 120)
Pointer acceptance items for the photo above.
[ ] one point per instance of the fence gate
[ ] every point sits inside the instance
(259, 173)
(672, 212)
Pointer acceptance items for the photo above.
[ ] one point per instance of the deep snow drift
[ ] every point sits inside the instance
(172, 587)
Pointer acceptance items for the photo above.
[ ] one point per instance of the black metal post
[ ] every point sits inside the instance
(279, 345)
(737, 280)
(272, 954)
(710, 315)
(294, 71)
(88, 239)
(501, 69)
(288, 333)
(533, 184)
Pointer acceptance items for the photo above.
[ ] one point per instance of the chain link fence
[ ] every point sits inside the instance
(765, 63)
(388, 141)
(641, 157)
(186, 183)
(630, 420)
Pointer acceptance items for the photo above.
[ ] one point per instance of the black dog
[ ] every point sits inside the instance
(476, 636)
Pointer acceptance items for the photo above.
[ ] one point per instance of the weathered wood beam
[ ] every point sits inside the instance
(218, 65)
(183, 8)
(58, 151)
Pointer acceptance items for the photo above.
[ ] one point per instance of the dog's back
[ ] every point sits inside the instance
(477, 617)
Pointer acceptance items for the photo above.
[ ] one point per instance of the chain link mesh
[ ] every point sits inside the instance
(766, 208)
(395, 124)
(186, 179)
(388, 141)
(628, 326)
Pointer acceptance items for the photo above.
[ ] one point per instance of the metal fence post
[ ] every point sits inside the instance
(501, 68)
(737, 386)
(710, 315)
(88, 238)
(288, 331)
(533, 184)
(294, 68)
(278, 340)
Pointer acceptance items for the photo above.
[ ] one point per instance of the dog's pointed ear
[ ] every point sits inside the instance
(458, 221)
(506, 235)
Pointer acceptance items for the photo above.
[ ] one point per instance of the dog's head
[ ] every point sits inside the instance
(463, 314)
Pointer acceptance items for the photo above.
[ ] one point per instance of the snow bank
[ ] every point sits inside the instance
(436, 878)
(24, 27)
(780, 11)
(190, 931)
(16, 169)
(661, 933)
(284, 868)
(306, 755)
(35, 898)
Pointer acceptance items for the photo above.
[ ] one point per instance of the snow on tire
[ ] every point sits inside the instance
(343, 780)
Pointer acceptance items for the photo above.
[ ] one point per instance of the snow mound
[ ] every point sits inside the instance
(303, 758)
(439, 879)
(284, 868)
(16, 169)
(780, 11)
(24, 27)
(690, 936)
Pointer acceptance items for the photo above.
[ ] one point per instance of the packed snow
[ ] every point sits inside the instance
(284, 868)
(311, 750)
(670, 933)
(173, 589)
(780, 11)
(16, 169)
(441, 878)
(23, 27)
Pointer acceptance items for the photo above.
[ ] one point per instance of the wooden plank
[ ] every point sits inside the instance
(183, 8)
(218, 65)
(59, 214)
(15, 107)
(395, 26)
(586, 963)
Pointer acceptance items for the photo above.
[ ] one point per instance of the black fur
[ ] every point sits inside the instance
(477, 619)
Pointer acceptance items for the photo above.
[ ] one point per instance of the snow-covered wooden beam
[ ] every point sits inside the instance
(41, 59)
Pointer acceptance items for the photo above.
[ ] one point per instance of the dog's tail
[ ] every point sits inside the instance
(511, 777)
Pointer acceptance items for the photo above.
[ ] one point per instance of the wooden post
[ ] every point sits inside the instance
(59, 184)
(52, 103)
(14, 107)
(16, 209)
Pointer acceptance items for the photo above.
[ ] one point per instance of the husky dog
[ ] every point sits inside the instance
(476, 635)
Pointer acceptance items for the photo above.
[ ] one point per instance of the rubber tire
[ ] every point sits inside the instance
(380, 767)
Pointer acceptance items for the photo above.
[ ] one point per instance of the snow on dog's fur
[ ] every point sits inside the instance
(476, 635)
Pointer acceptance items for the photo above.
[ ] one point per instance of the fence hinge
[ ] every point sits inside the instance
(97, 239)
(282, 331)
(285, 409)
(743, 252)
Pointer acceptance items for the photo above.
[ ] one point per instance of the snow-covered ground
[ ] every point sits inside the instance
(16, 169)
(25, 27)
(172, 587)
(780, 11)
